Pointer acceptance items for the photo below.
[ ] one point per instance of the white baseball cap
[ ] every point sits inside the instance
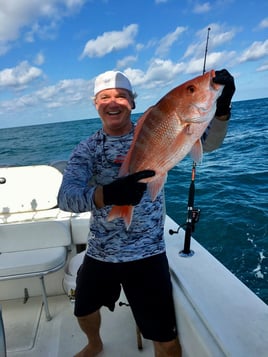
(112, 79)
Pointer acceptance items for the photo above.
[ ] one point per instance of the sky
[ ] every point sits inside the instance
(52, 50)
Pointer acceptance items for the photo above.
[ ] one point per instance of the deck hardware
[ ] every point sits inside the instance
(138, 333)
(26, 295)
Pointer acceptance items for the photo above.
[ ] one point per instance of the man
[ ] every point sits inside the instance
(135, 258)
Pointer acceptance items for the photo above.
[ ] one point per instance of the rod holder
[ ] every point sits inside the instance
(186, 255)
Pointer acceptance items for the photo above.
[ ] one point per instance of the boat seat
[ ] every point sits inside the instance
(34, 233)
(31, 262)
(24, 264)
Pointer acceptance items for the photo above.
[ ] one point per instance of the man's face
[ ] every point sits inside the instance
(114, 108)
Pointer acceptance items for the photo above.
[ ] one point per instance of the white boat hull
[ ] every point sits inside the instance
(217, 315)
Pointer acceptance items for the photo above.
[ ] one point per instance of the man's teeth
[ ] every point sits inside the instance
(113, 113)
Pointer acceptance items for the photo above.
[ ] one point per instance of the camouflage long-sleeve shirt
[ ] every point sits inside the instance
(96, 161)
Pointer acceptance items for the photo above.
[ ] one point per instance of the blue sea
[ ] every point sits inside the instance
(231, 184)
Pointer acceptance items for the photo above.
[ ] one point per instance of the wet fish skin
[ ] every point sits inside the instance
(167, 132)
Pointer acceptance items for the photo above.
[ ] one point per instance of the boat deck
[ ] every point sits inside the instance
(217, 315)
(28, 333)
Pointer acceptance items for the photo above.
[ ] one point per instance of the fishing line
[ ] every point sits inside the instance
(206, 51)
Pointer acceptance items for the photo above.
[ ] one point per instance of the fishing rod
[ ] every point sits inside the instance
(206, 51)
(193, 214)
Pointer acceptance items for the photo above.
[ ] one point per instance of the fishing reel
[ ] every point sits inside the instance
(195, 215)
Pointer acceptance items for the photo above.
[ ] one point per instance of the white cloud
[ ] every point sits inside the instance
(124, 62)
(24, 15)
(263, 68)
(214, 60)
(202, 8)
(39, 59)
(218, 36)
(264, 23)
(4, 48)
(159, 74)
(46, 31)
(167, 41)
(110, 41)
(19, 77)
(64, 93)
(254, 52)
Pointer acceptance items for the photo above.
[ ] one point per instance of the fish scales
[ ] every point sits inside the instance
(167, 132)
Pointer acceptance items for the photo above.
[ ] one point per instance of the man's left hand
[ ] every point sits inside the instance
(224, 101)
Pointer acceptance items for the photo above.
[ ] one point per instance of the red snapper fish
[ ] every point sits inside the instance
(167, 132)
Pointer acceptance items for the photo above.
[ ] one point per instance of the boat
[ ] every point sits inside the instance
(41, 250)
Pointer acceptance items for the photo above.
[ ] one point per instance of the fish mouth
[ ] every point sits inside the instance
(200, 117)
(201, 108)
(214, 86)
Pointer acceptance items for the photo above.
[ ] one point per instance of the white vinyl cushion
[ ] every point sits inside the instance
(31, 262)
(34, 235)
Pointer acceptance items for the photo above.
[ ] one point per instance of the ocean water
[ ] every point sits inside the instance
(231, 184)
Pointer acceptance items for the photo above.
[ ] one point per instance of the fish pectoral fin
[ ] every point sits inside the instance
(156, 185)
(124, 212)
(189, 129)
(196, 152)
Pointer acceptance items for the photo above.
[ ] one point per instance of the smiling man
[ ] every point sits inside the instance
(133, 258)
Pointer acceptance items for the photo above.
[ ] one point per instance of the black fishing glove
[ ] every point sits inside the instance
(224, 101)
(126, 191)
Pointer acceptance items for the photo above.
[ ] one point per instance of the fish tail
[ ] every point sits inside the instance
(124, 212)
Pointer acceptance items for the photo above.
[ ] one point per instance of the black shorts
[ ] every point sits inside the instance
(146, 284)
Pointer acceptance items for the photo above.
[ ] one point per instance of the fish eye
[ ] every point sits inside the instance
(191, 88)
